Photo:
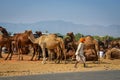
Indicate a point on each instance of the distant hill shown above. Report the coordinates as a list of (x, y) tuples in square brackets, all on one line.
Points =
[(63, 27)]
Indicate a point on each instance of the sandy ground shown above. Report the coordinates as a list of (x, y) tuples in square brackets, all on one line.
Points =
[(17, 68)]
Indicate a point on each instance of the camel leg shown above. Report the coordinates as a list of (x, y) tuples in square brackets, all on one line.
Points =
[(1, 52), (44, 56), (50, 52), (64, 51), (58, 59), (7, 56), (60, 52), (38, 55), (49, 55), (11, 56), (18, 54), (39, 52), (33, 55), (11, 52), (1, 55), (21, 54), (58, 55)]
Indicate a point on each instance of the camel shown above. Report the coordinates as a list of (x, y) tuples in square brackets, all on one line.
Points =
[(70, 45), (3, 31), (112, 53), (26, 50), (51, 42), (21, 42), (91, 48), (115, 43), (62, 47), (72, 40), (5, 41)]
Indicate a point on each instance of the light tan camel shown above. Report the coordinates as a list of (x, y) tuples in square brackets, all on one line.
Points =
[(51, 42)]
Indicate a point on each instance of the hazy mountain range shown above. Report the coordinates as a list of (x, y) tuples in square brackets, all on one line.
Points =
[(59, 26)]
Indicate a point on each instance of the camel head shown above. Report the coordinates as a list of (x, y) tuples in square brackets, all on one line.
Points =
[(4, 31), (28, 32)]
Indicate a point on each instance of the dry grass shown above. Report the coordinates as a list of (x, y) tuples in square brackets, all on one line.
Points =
[(17, 68)]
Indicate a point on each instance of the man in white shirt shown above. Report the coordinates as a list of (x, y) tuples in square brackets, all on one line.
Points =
[(80, 53)]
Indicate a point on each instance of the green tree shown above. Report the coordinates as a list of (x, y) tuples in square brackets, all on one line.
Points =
[(59, 34), (46, 31), (78, 36), (97, 37)]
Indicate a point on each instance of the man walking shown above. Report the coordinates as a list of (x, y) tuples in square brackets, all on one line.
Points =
[(80, 53)]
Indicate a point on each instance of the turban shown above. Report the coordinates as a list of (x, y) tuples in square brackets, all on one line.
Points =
[(82, 39)]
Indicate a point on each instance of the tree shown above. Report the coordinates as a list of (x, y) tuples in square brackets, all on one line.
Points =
[(46, 31), (78, 36), (60, 35)]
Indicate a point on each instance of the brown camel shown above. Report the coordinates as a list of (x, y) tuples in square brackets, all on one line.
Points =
[(5, 41), (22, 42), (70, 41), (91, 48), (112, 53), (51, 42), (25, 50), (115, 43), (70, 45), (3, 31)]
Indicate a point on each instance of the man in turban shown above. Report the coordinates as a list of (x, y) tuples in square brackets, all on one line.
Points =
[(80, 53)]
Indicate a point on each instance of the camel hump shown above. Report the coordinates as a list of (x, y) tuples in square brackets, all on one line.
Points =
[(89, 39)]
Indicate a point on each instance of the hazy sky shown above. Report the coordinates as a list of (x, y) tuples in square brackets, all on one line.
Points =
[(103, 12)]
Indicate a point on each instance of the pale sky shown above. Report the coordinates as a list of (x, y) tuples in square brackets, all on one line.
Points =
[(102, 12)]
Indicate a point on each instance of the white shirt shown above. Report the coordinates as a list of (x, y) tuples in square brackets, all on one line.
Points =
[(80, 49)]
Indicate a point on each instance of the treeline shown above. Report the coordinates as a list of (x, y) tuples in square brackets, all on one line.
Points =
[(79, 35), (101, 38)]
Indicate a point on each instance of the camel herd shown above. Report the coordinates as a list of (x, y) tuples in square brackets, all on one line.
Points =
[(53, 47)]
